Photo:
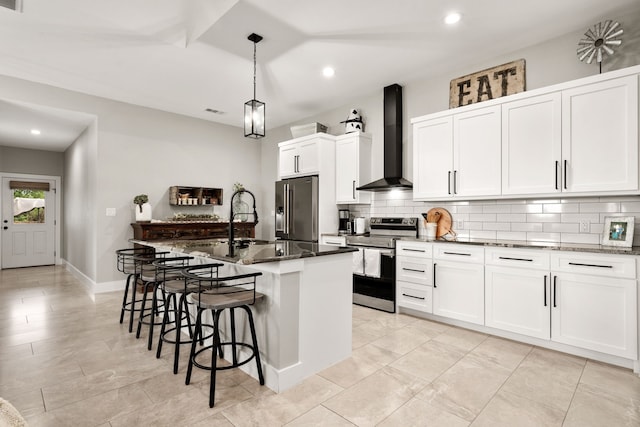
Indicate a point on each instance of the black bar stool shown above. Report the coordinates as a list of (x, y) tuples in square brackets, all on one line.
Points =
[(126, 264), (178, 307), (216, 295), (152, 275)]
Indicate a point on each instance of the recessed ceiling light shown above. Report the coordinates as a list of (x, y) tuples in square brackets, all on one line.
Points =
[(452, 18), (35, 132), (328, 72)]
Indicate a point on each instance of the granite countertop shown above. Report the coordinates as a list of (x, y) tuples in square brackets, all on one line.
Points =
[(251, 252), (573, 247)]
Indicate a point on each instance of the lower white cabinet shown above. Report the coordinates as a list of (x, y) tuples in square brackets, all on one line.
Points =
[(517, 300), (333, 240), (458, 283), (596, 313), (414, 274)]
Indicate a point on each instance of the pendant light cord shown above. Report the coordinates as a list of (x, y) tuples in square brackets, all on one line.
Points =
[(254, 70)]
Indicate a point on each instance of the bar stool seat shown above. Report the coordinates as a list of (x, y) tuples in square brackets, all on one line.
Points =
[(224, 293)]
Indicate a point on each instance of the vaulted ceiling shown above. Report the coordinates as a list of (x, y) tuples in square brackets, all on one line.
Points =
[(186, 56)]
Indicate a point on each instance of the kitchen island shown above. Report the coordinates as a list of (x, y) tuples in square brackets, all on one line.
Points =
[(304, 323)]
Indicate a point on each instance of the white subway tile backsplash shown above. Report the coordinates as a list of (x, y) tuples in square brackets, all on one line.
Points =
[(543, 217), (511, 235), (543, 237), (536, 208), (482, 234), (553, 227), (526, 226), (482, 217), (497, 226), (600, 207), (580, 238), (511, 217), (548, 220), (561, 208), (496, 209)]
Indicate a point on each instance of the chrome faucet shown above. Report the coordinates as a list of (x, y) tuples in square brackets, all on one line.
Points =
[(232, 216)]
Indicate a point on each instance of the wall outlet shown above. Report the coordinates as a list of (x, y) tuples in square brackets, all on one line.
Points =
[(111, 212), (584, 226)]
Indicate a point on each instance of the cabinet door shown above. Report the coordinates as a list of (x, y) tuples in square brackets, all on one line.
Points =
[(308, 160), (517, 300), (414, 296), (288, 160), (432, 159), (531, 145), (458, 291), (600, 136), (596, 313), (346, 170), (477, 153)]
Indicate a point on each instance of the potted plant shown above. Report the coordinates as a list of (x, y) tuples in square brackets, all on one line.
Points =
[(143, 212)]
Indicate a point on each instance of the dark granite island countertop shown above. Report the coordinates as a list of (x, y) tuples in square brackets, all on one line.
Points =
[(247, 251)]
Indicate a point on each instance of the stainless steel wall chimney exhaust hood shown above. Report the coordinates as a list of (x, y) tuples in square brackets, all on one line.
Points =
[(392, 144)]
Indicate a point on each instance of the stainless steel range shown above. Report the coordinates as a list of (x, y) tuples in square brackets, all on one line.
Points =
[(374, 266)]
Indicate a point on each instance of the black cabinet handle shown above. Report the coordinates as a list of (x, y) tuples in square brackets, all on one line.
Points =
[(456, 253), (434, 275), (413, 250), (411, 296), (545, 290), (516, 259), (449, 182), (565, 174), (590, 265), (557, 163), (455, 183), (353, 190), (554, 290), (413, 269)]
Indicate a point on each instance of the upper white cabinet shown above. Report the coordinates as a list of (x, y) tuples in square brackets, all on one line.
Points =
[(600, 136), (353, 167), (458, 155), (531, 145), (575, 138), (304, 156)]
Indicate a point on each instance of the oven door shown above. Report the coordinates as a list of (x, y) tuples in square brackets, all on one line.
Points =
[(374, 282)]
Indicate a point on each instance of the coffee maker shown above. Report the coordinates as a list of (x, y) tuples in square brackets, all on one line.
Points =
[(344, 225)]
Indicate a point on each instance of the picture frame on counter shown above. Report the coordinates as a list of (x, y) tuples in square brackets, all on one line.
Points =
[(618, 231)]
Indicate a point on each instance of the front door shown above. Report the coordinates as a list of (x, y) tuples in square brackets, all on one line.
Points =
[(28, 222)]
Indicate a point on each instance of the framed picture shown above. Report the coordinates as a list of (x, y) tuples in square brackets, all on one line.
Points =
[(618, 231)]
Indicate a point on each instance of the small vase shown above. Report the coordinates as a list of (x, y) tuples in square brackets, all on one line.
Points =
[(143, 212)]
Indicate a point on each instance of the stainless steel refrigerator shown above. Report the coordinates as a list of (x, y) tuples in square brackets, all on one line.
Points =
[(297, 209)]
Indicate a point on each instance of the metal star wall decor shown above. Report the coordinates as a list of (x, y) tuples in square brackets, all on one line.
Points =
[(599, 42)]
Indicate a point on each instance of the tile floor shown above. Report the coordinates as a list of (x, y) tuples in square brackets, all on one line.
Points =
[(66, 361)]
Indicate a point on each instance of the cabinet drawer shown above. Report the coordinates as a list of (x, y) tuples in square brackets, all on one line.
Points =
[(536, 259), (415, 296), (463, 253), (334, 240), (415, 270), (594, 265), (413, 249)]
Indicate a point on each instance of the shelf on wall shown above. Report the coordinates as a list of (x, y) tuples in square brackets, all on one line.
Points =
[(180, 195)]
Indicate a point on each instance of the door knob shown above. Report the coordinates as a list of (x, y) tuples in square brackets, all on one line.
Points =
[(6, 228), (6, 221)]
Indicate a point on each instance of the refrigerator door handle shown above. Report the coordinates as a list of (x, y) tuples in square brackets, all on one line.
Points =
[(287, 210)]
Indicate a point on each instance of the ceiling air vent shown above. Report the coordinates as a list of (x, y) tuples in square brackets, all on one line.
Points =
[(12, 4)]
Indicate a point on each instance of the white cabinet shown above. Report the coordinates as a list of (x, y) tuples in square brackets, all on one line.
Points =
[(597, 310), (353, 167), (414, 273), (600, 136), (531, 145), (306, 155), (333, 240), (517, 286), (458, 282), (458, 155)]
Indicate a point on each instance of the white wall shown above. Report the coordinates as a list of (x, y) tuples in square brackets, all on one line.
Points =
[(135, 150), (36, 162)]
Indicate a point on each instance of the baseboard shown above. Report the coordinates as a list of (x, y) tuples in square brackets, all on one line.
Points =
[(92, 286)]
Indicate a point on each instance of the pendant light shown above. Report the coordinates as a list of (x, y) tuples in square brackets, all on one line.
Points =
[(254, 109)]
